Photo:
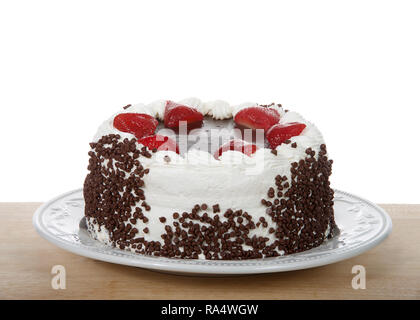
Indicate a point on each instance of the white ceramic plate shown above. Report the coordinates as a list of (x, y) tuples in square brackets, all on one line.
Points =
[(362, 224)]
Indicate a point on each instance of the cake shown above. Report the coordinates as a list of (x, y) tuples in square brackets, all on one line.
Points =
[(209, 180)]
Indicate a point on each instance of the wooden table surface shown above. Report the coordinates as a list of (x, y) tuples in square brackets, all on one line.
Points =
[(26, 260)]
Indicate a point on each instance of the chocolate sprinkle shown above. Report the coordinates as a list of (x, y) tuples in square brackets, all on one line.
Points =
[(109, 196)]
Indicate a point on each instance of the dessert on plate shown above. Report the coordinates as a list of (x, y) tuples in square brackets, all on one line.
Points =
[(209, 180)]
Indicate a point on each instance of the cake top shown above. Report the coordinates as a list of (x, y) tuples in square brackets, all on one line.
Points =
[(215, 133)]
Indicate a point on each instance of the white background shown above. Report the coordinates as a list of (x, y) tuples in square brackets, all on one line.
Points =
[(351, 67)]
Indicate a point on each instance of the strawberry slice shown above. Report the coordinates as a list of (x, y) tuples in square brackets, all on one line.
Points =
[(282, 132), (257, 117), (175, 112), (159, 142), (236, 145), (139, 124)]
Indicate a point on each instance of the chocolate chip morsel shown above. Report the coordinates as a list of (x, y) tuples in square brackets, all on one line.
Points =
[(145, 153), (127, 106), (216, 208), (267, 105)]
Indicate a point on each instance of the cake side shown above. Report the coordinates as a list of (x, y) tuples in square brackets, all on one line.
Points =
[(164, 204)]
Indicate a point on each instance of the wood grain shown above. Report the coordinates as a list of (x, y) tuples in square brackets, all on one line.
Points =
[(393, 270)]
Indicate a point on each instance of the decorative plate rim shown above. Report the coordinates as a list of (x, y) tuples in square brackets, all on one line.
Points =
[(298, 261)]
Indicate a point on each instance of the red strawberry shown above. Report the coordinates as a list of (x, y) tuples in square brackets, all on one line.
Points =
[(139, 124), (257, 117), (175, 112), (161, 143), (237, 145), (282, 132)]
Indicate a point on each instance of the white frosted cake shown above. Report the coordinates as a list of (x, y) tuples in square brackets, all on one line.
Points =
[(209, 180)]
